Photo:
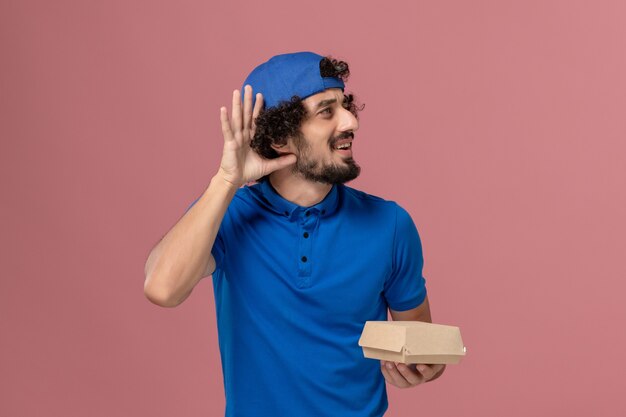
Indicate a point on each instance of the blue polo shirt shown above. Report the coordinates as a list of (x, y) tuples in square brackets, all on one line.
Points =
[(294, 287)]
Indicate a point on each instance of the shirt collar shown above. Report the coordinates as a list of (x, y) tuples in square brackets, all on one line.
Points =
[(277, 203)]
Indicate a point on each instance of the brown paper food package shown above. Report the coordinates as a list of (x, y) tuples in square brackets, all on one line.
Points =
[(412, 342)]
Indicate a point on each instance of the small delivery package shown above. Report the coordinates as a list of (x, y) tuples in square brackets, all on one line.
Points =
[(412, 342)]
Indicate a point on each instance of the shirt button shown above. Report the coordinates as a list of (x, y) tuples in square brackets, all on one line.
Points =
[(306, 235), (303, 259)]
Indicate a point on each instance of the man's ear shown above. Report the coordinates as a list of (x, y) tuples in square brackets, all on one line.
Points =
[(285, 149)]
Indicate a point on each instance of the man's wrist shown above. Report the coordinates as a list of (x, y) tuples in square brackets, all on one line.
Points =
[(221, 179)]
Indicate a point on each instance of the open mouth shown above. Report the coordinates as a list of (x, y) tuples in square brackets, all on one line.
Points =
[(343, 146)]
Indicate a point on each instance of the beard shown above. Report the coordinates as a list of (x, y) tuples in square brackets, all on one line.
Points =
[(316, 170)]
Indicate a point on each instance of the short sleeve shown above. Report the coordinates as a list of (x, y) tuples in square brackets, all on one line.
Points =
[(218, 246), (405, 288)]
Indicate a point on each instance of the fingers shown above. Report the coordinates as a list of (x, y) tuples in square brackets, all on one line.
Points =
[(242, 125), (247, 111), (426, 371), (226, 130), (391, 375), (236, 121), (411, 376), (258, 105), (400, 375), (431, 372), (280, 162)]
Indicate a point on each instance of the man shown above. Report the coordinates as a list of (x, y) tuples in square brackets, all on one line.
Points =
[(299, 260)]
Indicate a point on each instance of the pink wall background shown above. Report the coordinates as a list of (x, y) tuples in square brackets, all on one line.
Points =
[(498, 125)]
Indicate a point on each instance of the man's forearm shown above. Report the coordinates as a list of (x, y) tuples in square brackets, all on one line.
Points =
[(177, 263)]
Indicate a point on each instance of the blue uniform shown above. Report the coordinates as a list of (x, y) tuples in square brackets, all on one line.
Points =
[(294, 287)]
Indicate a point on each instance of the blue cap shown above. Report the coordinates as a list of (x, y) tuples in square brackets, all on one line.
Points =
[(287, 75)]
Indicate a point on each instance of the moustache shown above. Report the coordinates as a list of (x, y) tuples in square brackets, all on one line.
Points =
[(345, 135)]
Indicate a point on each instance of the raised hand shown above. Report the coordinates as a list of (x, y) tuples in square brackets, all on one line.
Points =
[(240, 163)]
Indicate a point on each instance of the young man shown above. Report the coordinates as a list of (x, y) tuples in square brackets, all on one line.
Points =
[(299, 260)]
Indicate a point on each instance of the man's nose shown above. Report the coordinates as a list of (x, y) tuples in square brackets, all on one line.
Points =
[(348, 121)]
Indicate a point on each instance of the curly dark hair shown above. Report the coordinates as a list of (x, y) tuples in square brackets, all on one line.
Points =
[(274, 126)]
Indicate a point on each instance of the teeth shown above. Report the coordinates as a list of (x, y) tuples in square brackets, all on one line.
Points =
[(344, 146)]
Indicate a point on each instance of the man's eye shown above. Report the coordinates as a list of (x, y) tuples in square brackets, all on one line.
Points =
[(327, 108)]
